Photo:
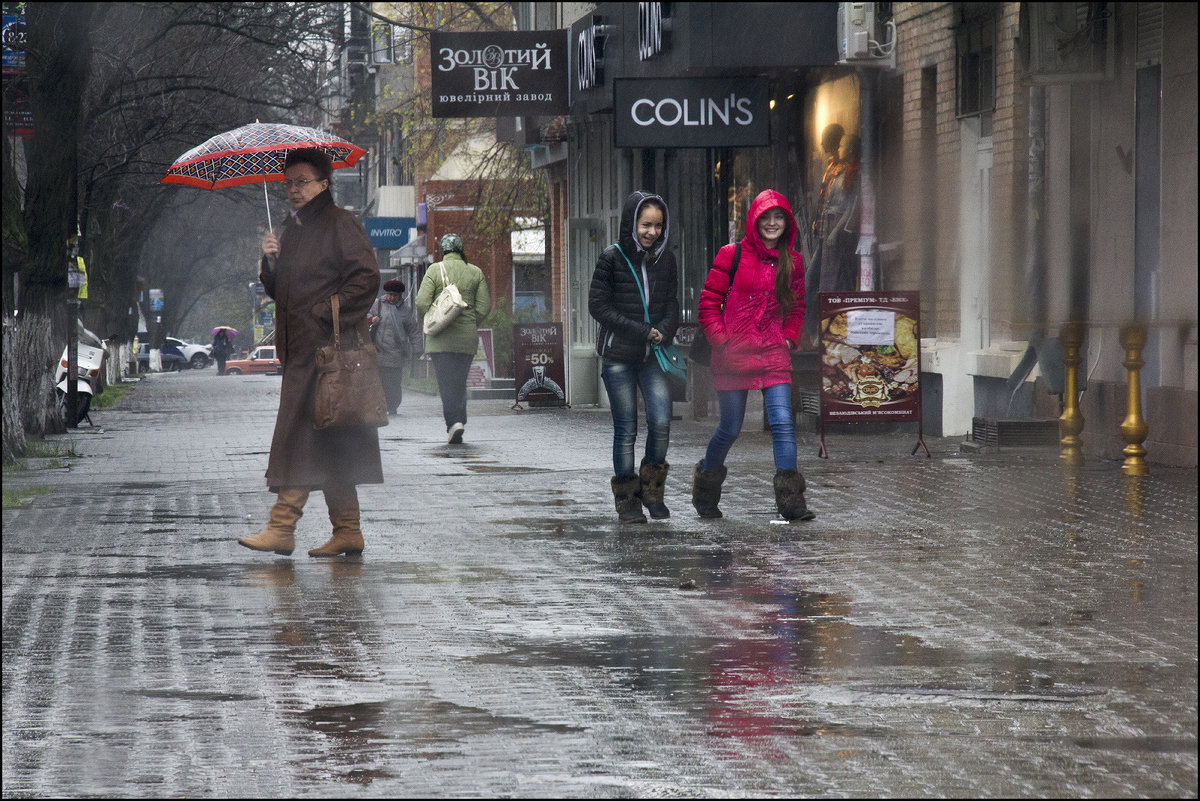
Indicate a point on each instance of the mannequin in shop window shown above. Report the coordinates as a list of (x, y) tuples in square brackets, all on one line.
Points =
[(838, 218), (831, 140)]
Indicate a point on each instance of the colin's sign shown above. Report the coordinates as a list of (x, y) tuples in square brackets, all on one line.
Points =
[(691, 112), (500, 73)]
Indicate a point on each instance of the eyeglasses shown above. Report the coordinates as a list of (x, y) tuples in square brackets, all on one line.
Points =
[(300, 183)]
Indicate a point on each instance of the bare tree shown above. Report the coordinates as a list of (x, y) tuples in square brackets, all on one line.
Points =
[(117, 91)]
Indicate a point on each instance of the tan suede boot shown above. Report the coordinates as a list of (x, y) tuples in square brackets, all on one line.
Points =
[(347, 538), (279, 535)]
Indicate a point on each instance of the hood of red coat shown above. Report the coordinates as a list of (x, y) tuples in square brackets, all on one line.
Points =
[(768, 199)]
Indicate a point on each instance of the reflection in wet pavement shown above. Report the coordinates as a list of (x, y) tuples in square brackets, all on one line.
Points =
[(946, 627)]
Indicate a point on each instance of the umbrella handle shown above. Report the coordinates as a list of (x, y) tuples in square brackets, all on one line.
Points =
[(267, 200)]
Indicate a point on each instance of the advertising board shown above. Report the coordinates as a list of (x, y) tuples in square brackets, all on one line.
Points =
[(870, 357), (538, 364)]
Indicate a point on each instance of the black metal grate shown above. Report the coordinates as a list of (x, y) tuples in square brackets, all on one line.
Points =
[(1015, 433)]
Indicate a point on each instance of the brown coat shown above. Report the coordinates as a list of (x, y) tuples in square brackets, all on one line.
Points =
[(322, 251)]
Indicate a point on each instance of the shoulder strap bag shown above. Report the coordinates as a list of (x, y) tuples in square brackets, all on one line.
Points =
[(701, 352), (446, 306), (349, 392), (669, 358)]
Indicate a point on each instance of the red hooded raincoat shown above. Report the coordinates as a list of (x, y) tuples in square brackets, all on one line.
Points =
[(748, 339)]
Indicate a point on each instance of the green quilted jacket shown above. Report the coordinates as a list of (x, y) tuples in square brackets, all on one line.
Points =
[(462, 335)]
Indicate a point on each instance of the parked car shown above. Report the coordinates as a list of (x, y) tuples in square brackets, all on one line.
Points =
[(172, 359), (261, 361), (197, 356)]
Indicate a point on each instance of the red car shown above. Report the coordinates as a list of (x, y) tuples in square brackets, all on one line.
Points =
[(262, 360)]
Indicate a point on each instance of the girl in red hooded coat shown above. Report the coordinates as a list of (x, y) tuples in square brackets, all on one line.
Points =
[(753, 326)]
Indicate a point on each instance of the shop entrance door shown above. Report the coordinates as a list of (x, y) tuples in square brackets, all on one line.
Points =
[(584, 243)]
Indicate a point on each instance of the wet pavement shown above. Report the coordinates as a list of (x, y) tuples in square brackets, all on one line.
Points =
[(983, 625)]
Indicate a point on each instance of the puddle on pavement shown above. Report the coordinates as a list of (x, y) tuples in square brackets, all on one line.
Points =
[(1152, 745), (416, 728), (797, 640), (192, 696)]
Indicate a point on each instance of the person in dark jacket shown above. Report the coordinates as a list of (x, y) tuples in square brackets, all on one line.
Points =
[(753, 326), (397, 339), (638, 262), (322, 251)]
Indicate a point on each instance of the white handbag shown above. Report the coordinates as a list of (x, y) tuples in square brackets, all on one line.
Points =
[(445, 307)]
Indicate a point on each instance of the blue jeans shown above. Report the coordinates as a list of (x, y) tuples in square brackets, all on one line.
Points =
[(622, 382), (778, 403)]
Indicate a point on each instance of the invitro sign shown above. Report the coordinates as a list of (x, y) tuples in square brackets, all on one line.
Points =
[(388, 232), (696, 112)]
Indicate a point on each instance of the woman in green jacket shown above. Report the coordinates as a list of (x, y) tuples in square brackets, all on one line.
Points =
[(453, 348)]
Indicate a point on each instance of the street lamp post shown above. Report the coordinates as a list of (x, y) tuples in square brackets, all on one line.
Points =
[(75, 279)]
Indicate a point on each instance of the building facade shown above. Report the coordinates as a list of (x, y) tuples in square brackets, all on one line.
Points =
[(1024, 166)]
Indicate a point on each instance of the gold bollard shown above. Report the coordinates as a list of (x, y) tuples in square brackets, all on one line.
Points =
[(1134, 429), (1071, 422)]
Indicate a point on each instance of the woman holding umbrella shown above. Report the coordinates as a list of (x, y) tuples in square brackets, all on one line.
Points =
[(222, 345), (323, 250)]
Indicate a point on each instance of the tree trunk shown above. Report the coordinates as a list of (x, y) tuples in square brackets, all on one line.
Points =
[(58, 52)]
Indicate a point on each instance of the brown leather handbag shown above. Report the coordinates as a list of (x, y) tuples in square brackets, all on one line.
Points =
[(349, 392)]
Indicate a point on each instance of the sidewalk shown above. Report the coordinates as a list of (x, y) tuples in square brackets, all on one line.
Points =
[(955, 626)]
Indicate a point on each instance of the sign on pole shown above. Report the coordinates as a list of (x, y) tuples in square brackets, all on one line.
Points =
[(538, 364), (870, 358)]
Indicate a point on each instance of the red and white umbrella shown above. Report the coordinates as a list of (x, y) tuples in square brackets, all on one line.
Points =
[(255, 153)]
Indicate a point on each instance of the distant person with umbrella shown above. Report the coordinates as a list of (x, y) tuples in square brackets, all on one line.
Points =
[(222, 346), (323, 250)]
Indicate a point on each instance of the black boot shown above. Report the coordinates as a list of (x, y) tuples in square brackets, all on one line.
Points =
[(625, 495), (706, 489), (654, 480), (789, 495)]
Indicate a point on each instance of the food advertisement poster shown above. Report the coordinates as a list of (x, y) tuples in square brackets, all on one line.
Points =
[(870, 356), (538, 364)]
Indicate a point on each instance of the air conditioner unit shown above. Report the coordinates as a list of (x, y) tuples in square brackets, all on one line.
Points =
[(357, 52), (856, 24), (864, 37)]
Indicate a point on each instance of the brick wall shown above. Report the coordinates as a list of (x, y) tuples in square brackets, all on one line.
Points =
[(925, 40), (454, 212)]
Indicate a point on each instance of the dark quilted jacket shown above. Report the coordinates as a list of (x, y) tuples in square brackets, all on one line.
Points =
[(614, 300)]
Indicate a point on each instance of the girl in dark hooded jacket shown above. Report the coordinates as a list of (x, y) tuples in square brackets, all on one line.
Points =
[(753, 322), (638, 262)]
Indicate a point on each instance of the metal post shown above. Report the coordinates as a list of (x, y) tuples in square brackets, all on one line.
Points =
[(866, 177), (1134, 429), (72, 357), (74, 282), (1071, 422)]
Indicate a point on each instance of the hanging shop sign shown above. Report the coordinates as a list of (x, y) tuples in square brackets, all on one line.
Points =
[(691, 112), (654, 29), (870, 357), (389, 232), (589, 36), (538, 364), (499, 73)]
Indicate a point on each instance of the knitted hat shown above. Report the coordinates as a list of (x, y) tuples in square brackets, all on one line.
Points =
[(394, 285)]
